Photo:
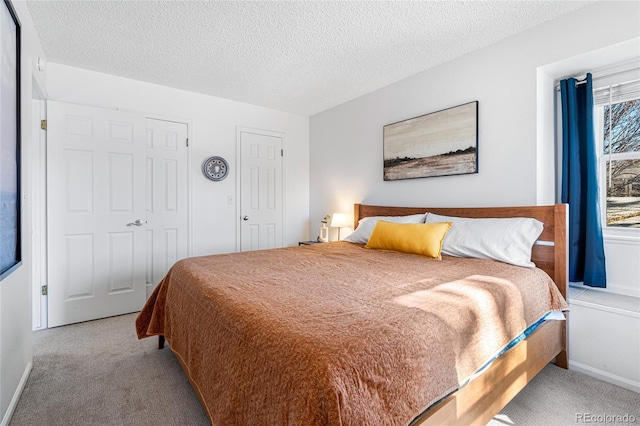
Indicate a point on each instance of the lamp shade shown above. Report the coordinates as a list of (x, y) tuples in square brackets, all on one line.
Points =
[(339, 220)]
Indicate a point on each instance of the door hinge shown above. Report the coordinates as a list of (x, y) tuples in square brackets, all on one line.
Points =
[(43, 124), (187, 142), (282, 153), (44, 290)]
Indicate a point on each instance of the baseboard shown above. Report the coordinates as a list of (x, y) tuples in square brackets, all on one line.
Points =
[(604, 376), (16, 396)]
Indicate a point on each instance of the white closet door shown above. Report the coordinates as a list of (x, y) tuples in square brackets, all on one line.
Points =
[(96, 212), (166, 198)]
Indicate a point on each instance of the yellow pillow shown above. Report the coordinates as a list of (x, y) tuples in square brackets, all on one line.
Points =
[(416, 238)]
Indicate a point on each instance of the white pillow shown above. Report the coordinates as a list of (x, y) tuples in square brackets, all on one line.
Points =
[(365, 226), (508, 240)]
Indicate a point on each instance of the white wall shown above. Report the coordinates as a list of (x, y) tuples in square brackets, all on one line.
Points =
[(604, 342), (213, 132), (15, 290), (346, 141)]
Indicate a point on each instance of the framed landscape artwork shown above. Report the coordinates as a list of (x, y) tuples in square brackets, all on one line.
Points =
[(441, 143), (10, 247)]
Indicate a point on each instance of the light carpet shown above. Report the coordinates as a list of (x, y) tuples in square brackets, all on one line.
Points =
[(99, 373)]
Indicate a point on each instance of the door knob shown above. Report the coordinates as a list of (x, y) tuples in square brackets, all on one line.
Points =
[(138, 222), (245, 218)]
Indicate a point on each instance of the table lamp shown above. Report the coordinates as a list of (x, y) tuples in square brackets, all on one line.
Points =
[(339, 220)]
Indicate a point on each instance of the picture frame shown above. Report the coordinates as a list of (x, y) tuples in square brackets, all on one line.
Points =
[(10, 209), (441, 143)]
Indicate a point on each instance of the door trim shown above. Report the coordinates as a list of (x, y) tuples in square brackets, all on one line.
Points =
[(281, 135), (38, 194)]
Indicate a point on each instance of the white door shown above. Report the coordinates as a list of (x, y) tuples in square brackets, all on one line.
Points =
[(166, 198), (117, 209), (96, 212), (261, 202)]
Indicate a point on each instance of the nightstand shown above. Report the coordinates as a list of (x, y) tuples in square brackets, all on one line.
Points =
[(308, 243)]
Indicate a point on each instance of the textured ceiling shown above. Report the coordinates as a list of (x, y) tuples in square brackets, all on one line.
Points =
[(302, 57)]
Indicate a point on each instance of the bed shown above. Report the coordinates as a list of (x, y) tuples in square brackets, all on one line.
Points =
[(337, 333)]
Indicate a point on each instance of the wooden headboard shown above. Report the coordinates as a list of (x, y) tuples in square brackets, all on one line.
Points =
[(549, 253)]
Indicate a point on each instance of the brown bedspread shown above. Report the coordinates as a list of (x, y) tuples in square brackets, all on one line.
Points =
[(336, 334)]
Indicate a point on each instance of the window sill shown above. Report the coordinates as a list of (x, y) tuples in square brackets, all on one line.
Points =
[(603, 300)]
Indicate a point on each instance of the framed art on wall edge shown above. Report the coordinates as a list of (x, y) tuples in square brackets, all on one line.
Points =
[(10, 241)]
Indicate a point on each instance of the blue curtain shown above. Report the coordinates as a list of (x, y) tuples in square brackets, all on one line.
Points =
[(580, 184)]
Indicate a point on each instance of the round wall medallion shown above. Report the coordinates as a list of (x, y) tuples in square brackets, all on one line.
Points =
[(215, 168)]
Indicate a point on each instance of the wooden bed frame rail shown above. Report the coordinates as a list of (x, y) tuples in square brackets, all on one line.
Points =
[(481, 399)]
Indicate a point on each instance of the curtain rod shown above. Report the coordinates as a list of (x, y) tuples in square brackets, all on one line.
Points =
[(583, 78)]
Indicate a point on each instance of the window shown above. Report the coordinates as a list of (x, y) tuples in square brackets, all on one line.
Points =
[(618, 134)]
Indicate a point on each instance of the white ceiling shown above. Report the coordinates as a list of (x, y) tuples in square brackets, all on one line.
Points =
[(301, 56)]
